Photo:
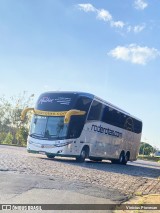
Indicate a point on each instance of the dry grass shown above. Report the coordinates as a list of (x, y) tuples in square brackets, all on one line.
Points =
[(142, 199)]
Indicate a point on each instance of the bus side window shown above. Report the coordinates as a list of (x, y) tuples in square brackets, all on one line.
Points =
[(83, 103), (77, 122), (138, 126), (113, 117), (95, 111), (105, 114), (110, 116), (76, 125)]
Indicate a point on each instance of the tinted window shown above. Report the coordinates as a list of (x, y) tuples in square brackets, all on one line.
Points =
[(83, 103), (111, 116), (77, 122), (95, 111), (76, 125), (114, 117), (138, 126), (129, 124)]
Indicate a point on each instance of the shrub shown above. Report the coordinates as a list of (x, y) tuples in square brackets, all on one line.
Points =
[(8, 139)]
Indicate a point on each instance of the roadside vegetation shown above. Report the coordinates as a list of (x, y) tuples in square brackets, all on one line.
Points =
[(147, 152), (150, 158), (146, 149), (12, 130)]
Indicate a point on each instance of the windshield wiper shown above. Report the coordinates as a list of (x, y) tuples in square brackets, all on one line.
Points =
[(36, 135)]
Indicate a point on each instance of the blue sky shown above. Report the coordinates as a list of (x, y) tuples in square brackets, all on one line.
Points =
[(108, 48)]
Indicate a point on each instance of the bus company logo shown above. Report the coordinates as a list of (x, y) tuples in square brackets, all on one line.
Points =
[(106, 131), (129, 125), (45, 100)]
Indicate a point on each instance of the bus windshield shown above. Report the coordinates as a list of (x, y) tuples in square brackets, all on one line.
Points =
[(49, 128)]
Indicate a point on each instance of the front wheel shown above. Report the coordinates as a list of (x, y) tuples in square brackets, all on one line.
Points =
[(82, 156), (50, 156)]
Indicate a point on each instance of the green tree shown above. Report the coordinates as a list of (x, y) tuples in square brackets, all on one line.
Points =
[(146, 149), (8, 139), (10, 116), (21, 136), (2, 137)]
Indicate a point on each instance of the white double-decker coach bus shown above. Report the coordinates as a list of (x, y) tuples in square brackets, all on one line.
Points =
[(81, 125)]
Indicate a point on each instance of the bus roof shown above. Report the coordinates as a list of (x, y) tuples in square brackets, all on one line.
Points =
[(89, 95), (72, 92)]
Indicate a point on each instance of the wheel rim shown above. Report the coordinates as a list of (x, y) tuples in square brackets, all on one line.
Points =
[(121, 159), (126, 158), (83, 154)]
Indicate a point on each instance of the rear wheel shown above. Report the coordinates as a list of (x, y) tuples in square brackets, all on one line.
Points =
[(51, 156), (126, 159), (123, 159)]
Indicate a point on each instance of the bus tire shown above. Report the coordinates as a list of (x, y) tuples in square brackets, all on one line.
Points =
[(82, 156), (127, 156), (123, 159), (50, 156)]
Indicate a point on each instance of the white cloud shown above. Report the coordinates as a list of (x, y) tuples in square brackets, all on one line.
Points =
[(119, 24), (136, 29), (101, 14), (134, 53), (87, 7), (129, 29), (140, 4), (104, 15)]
